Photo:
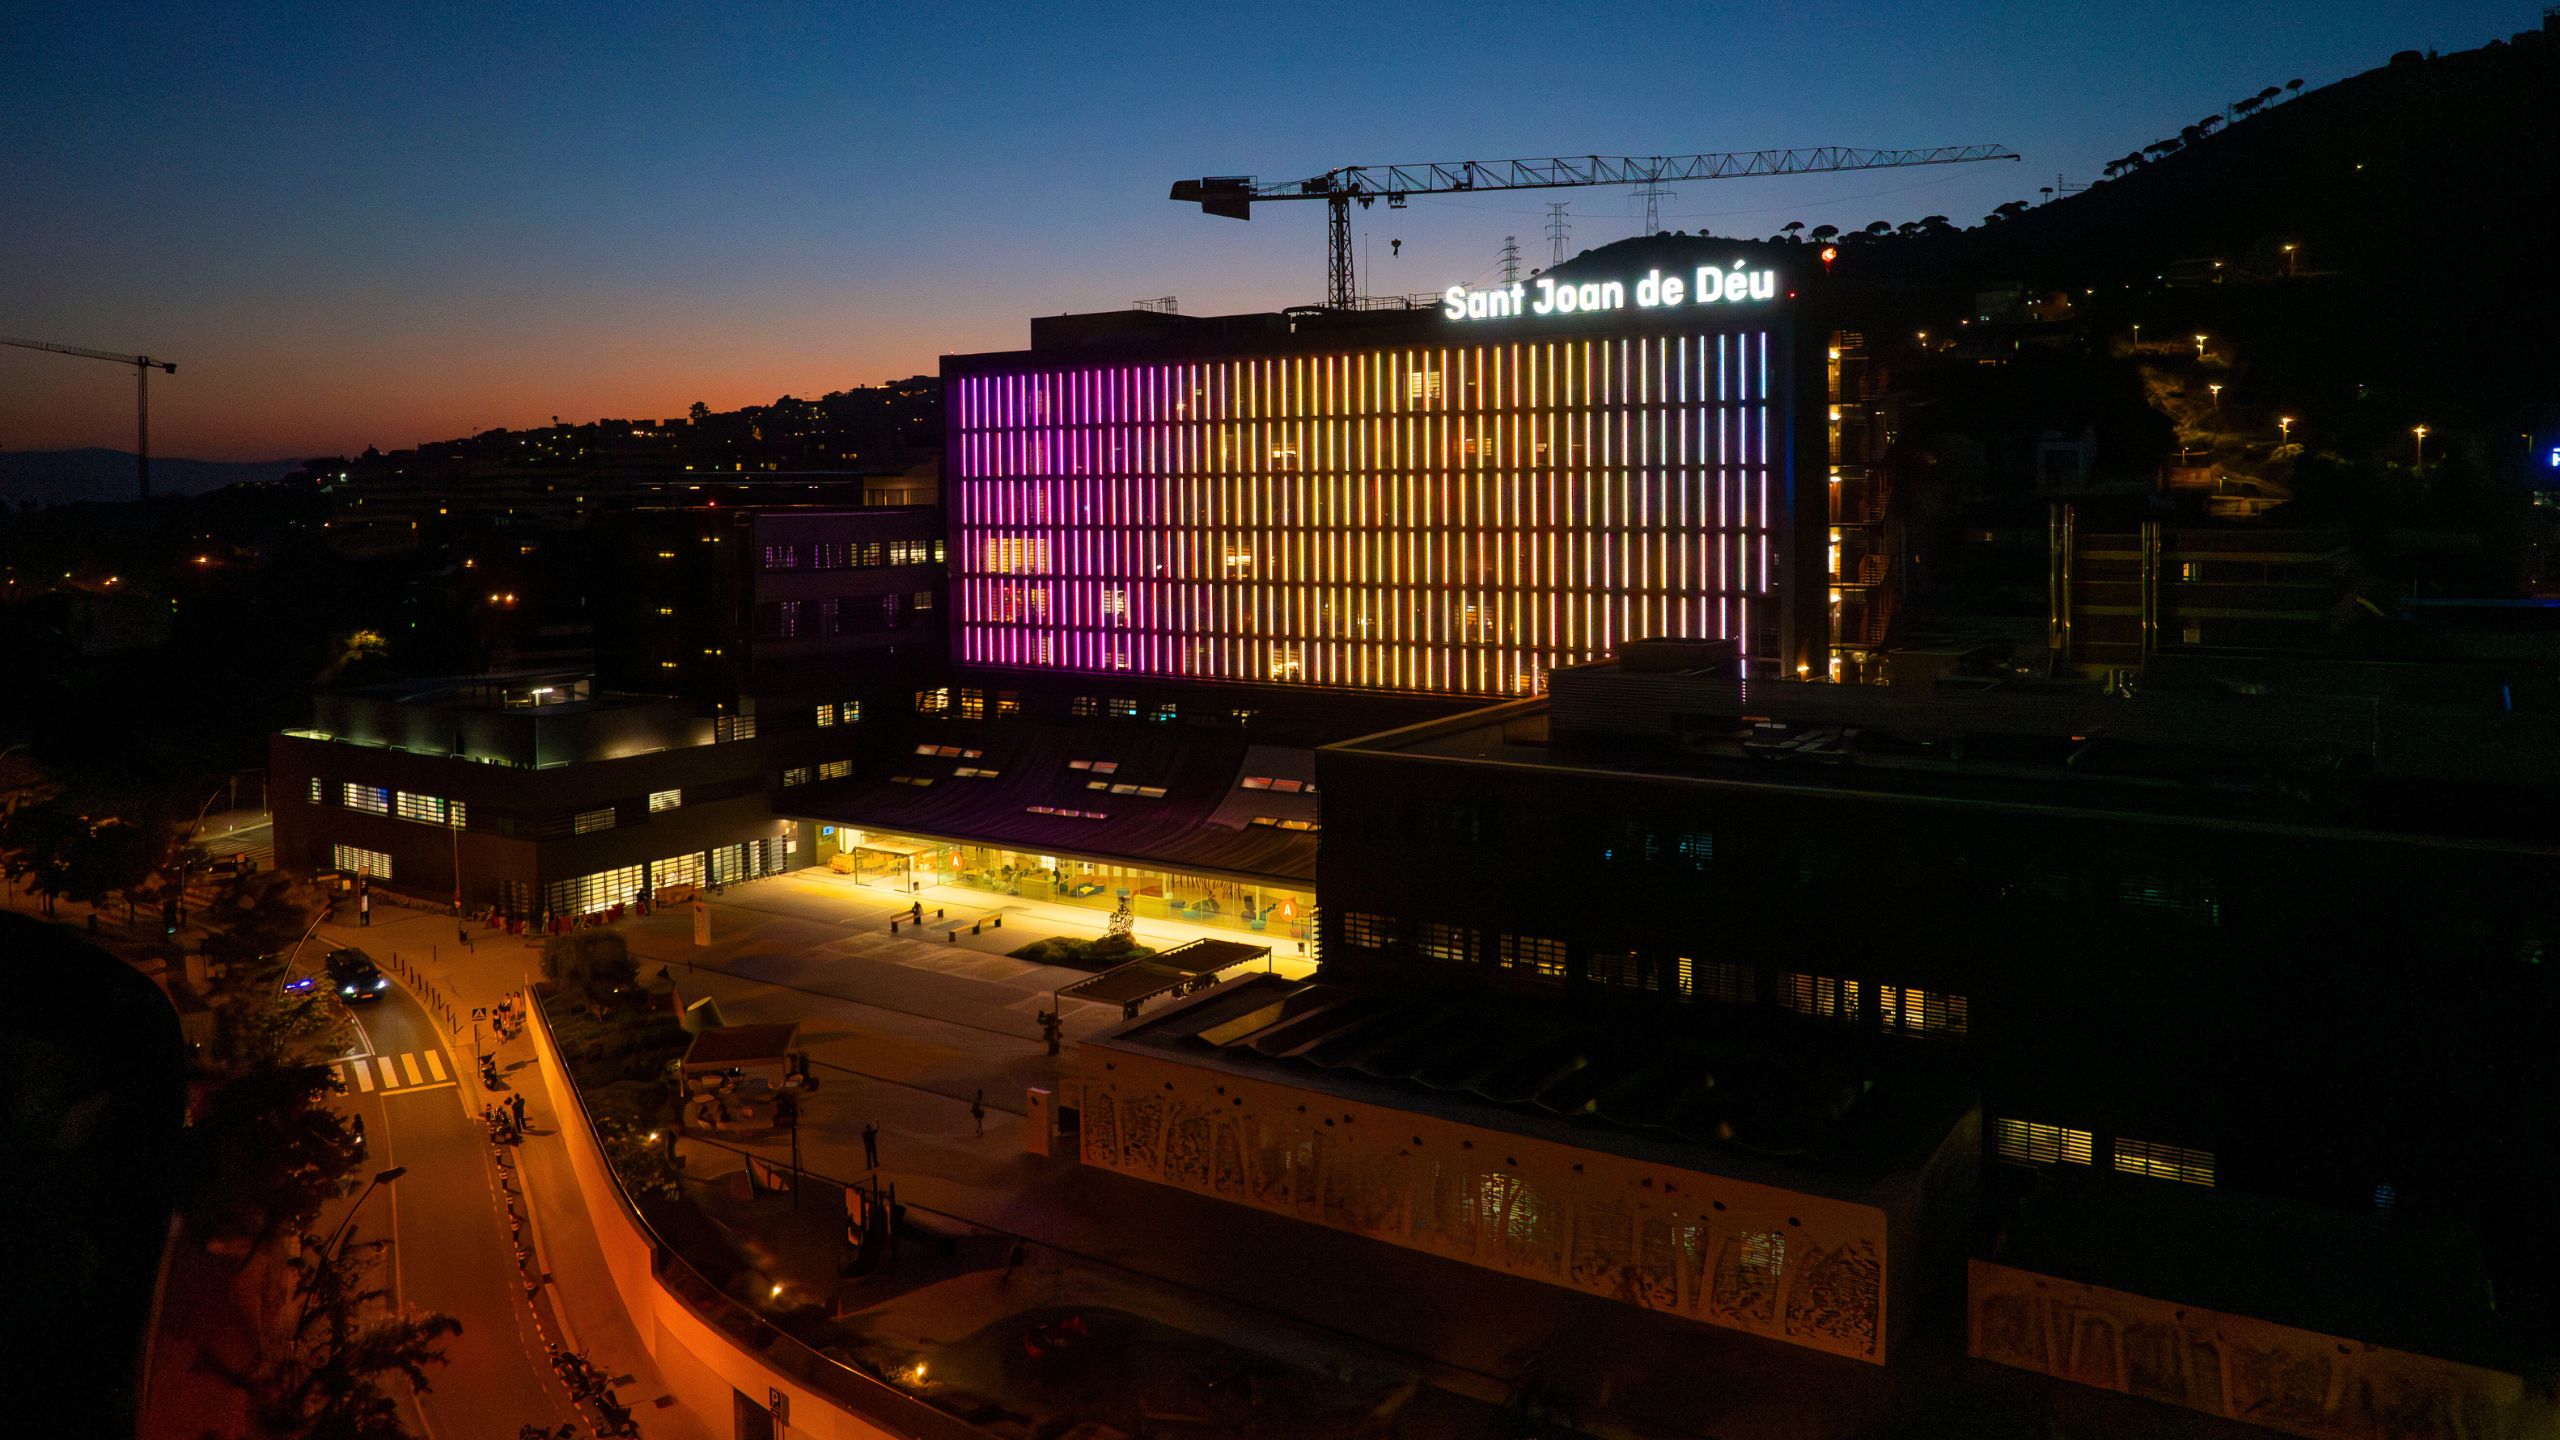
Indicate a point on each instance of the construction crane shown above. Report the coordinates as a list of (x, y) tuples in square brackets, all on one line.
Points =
[(142, 365), (1233, 196)]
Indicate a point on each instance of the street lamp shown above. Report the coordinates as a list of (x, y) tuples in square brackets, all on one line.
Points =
[(2217, 395), (2420, 461), (2284, 429), (2199, 347), (329, 1247)]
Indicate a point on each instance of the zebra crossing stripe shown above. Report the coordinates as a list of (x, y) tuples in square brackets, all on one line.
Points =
[(390, 1074), (410, 1064), (364, 1077), (435, 1064)]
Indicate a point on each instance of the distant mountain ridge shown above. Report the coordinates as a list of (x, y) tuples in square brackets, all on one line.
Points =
[(70, 477)]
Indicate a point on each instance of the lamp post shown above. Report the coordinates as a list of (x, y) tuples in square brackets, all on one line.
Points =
[(2217, 395), (2420, 461), (329, 1247), (2200, 347), (2288, 260), (2284, 430)]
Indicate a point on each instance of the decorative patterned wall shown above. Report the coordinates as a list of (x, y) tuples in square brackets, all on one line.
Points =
[(2238, 1367), (1801, 1268)]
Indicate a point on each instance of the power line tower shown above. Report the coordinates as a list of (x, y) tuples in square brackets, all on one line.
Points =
[(1653, 196), (1557, 229), (1510, 259)]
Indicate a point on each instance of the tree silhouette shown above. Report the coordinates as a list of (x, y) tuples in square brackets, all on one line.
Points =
[(1825, 232), (2292, 88), (1791, 227), (2208, 124), (1878, 227), (699, 412), (2245, 107), (346, 1340), (2271, 92)]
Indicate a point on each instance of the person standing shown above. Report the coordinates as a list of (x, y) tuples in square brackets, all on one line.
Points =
[(978, 1112), (516, 1103), (871, 1145)]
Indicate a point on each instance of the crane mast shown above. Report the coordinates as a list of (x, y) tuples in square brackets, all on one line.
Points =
[(142, 365), (1233, 196)]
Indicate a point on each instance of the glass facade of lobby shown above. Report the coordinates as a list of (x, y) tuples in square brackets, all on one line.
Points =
[(897, 863)]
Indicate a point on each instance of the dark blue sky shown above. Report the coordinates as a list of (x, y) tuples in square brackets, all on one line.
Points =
[(353, 227)]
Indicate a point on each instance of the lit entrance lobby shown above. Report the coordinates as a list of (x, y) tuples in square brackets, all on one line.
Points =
[(1280, 913)]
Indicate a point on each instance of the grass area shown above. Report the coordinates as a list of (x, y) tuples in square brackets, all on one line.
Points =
[(1080, 954)]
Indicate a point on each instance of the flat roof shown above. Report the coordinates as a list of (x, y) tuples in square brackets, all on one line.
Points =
[(725, 1045), (2189, 756), (1627, 1087)]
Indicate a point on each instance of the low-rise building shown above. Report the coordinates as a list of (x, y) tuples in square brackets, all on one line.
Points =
[(533, 793)]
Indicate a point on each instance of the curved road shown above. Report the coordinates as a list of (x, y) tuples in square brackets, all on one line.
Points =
[(450, 1249)]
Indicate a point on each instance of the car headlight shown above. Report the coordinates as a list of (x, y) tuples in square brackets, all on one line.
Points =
[(381, 982), (346, 989)]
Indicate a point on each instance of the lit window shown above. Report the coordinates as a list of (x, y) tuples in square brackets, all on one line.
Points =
[(1718, 980), (1279, 822), (796, 775), (358, 861), (1369, 932), (1122, 709), (1071, 814), (315, 789), (1284, 786), (665, 800), (1619, 969), (1534, 955), (428, 810), (826, 716), (973, 704), (1454, 944), (936, 701), (1922, 1012), (588, 822), (918, 781), (2164, 1162), (1823, 996), (2023, 1142), (850, 711), (1098, 767), (834, 769), (371, 799), (972, 772)]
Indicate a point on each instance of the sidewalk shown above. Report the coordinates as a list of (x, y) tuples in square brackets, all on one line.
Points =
[(577, 1297)]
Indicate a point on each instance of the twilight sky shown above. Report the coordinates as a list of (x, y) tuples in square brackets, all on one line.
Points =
[(352, 225)]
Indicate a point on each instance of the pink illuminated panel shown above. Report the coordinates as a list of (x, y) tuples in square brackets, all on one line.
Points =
[(1449, 519)]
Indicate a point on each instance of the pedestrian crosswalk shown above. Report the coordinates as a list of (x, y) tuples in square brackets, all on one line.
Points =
[(412, 1070)]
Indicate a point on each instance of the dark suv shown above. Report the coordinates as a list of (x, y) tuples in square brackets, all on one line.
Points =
[(353, 976)]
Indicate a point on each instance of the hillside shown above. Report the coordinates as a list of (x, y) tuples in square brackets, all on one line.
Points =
[(66, 477)]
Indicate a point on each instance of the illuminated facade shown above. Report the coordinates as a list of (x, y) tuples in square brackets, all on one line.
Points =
[(1418, 516)]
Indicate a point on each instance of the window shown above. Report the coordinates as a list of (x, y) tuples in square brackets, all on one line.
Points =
[(973, 704), (1283, 822), (918, 781), (936, 701), (1534, 955), (826, 716), (588, 822), (921, 600), (1822, 996), (665, 800), (796, 775), (371, 799), (1098, 767), (1123, 709), (849, 711), (1764, 1254), (1284, 786), (1151, 792), (1369, 932), (780, 557), (1083, 707), (1008, 702), (1455, 944), (1718, 980), (678, 870), (2023, 1142), (1422, 385), (1921, 1012), (430, 810), (2164, 1162), (589, 894), (315, 789), (1068, 813), (1620, 969), (359, 861), (950, 752), (973, 772), (834, 769)]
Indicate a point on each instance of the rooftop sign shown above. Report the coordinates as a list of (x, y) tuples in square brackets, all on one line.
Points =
[(1543, 296)]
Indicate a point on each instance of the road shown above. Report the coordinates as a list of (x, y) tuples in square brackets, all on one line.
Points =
[(450, 1250)]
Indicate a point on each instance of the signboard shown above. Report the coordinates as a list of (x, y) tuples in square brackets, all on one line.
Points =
[(1707, 285), (701, 921)]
